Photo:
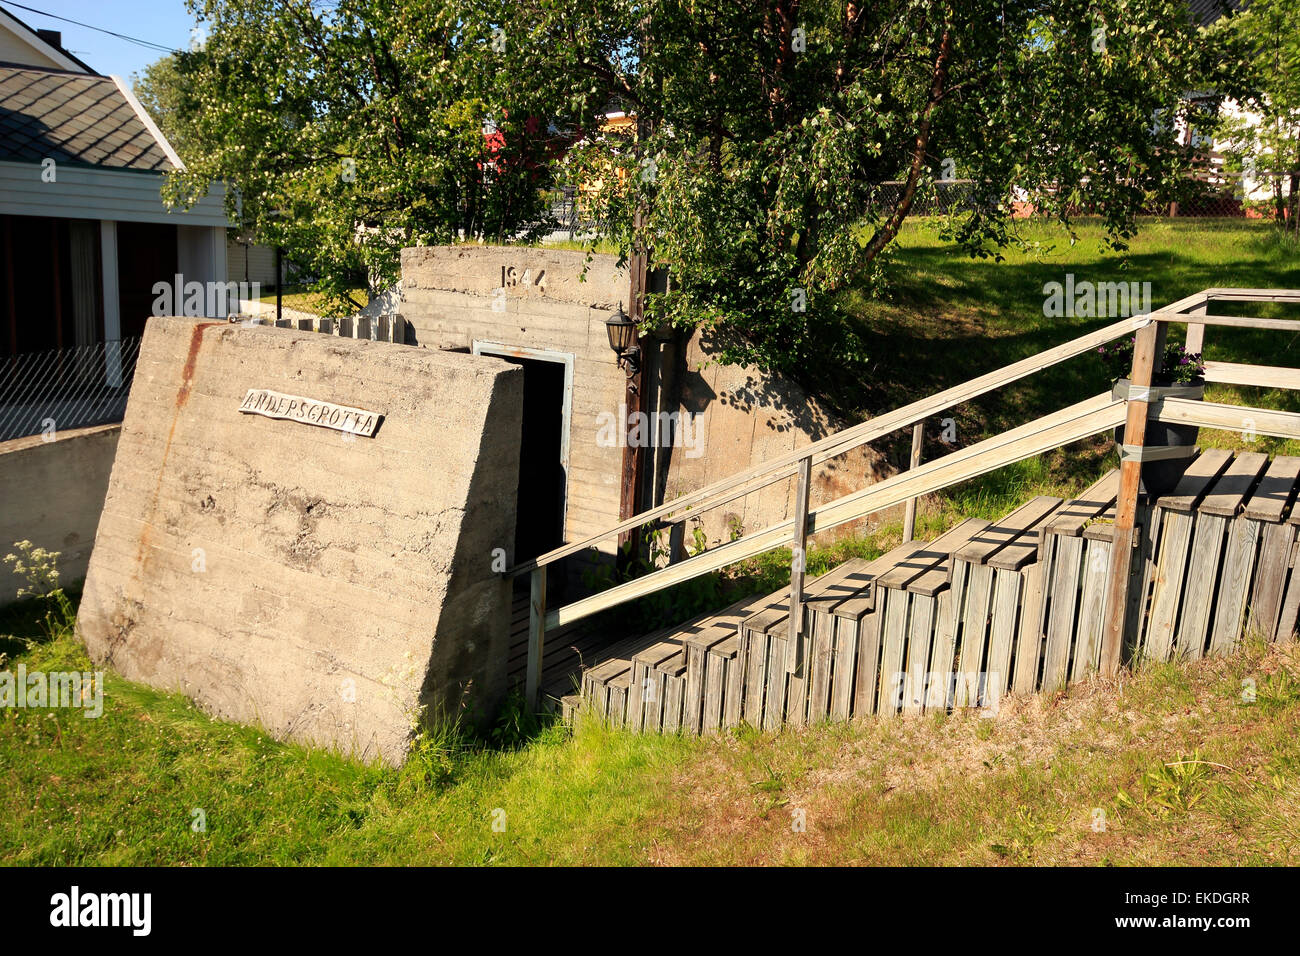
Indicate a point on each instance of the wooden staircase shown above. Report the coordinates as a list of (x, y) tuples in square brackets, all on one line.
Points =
[(988, 608)]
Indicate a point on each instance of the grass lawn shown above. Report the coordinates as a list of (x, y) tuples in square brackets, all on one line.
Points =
[(1173, 766), (303, 299)]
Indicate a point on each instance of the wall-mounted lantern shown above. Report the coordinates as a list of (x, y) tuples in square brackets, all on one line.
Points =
[(623, 340)]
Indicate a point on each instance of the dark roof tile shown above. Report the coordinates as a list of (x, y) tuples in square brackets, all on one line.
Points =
[(73, 118)]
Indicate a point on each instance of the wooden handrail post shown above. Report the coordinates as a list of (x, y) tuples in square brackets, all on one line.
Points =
[(909, 510), (798, 548), (536, 635), (1195, 340), (1130, 474)]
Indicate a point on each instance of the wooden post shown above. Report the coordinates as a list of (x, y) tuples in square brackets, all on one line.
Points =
[(1195, 341), (634, 395), (798, 547), (536, 635), (279, 283), (909, 510), (1130, 474)]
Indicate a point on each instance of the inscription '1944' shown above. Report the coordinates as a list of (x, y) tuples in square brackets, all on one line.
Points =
[(342, 418)]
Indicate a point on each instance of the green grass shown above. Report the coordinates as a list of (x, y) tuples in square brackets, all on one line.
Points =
[(945, 318), (303, 299), (1183, 770)]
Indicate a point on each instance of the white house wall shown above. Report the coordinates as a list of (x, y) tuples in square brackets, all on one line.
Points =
[(81, 193)]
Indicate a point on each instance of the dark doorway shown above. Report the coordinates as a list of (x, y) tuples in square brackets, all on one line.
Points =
[(539, 514), (146, 254)]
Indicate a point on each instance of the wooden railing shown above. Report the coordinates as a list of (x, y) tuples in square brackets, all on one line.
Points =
[(1090, 417)]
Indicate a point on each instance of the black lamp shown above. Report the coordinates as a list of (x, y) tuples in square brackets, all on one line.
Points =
[(622, 339)]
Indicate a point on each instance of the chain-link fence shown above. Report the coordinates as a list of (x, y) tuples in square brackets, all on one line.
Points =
[(48, 392), (292, 296)]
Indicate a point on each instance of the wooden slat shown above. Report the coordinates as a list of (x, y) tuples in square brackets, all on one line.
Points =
[(1233, 418), (1228, 495), (734, 701), (618, 689), (1063, 586), (846, 652), (1074, 514), (796, 682), (755, 676), (819, 679), (1029, 636), (1270, 577), (1234, 586), (714, 689), (1002, 630), (1171, 565), (1202, 572), (918, 653), (1260, 376), (936, 579), (1286, 625), (1197, 480), (774, 699), (943, 651), (974, 631), (1092, 598), (1273, 493), (891, 661), (865, 683)]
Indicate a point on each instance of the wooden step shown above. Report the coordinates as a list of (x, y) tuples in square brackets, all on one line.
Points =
[(1227, 497), (936, 577), (1011, 542), (1196, 481), (1274, 491), (1073, 516)]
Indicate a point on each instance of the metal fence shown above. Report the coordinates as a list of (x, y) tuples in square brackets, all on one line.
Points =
[(48, 392)]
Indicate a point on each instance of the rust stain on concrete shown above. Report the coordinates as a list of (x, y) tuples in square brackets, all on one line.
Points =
[(182, 398)]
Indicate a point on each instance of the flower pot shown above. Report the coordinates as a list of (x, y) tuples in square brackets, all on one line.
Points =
[(1161, 475)]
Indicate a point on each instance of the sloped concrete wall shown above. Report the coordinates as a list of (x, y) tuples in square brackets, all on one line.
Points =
[(51, 494), (324, 586)]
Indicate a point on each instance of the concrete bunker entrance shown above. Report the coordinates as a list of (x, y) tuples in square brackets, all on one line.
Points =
[(542, 497)]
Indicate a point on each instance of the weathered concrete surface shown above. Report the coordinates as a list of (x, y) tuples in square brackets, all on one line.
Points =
[(745, 417), (324, 586), (454, 296), (51, 494)]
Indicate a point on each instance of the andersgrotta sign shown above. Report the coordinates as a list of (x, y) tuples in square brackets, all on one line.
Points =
[(343, 418)]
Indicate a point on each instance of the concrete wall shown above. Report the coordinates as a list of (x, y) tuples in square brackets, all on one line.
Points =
[(51, 494), (454, 296), (745, 417), (321, 585)]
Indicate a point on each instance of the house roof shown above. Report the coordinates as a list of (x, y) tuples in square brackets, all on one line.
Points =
[(46, 43), (1206, 12), (75, 118)]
